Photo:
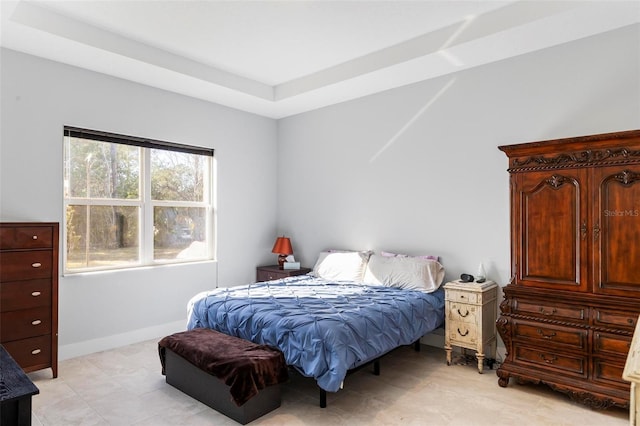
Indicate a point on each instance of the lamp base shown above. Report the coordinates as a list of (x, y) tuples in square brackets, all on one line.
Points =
[(281, 259)]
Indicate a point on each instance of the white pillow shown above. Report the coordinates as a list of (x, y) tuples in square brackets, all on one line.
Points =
[(341, 266), (412, 273)]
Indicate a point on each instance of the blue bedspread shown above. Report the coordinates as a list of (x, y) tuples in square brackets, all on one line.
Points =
[(323, 328)]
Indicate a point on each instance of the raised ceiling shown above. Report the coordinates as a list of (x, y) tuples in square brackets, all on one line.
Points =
[(279, 58)]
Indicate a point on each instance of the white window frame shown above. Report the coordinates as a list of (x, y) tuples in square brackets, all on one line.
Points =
[(145, 203)]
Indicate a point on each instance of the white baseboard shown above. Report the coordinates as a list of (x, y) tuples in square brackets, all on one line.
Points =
[(118, 340)]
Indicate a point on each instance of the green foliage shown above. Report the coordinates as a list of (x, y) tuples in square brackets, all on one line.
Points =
[(176, 176), (96, 170), (102, 170)]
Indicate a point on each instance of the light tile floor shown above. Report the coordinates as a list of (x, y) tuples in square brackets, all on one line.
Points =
[(124, 386)]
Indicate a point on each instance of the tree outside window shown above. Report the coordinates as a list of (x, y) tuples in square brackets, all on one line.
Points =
[(132, 202)]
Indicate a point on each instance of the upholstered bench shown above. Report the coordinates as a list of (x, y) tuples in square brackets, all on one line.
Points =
[(238, 378)]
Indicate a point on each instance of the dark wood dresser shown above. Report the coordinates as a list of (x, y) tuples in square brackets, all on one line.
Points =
[(573, 301), (29, 294)]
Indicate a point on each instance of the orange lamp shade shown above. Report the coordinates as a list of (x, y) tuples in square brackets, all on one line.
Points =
[(283, 248)]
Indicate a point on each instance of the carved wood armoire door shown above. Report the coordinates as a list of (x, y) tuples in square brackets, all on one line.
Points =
[(552, 228), (616, 230)]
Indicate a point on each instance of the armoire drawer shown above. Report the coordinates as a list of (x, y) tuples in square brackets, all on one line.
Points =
[(30, 352), (606, 371), (16, 295), (26, 237), (568, 364), (608, 318), (25, 265), (614, 344), (15, 325), (546, 334), (551, 310)]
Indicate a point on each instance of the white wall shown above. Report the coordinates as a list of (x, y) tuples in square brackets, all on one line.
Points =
[(104, 310), (417, 169)]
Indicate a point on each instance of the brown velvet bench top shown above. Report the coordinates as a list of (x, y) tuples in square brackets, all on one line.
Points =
[(244, 366)]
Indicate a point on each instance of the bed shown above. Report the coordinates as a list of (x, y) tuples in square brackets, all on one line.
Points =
[(335, 319)]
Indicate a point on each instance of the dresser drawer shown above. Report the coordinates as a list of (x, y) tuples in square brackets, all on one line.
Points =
[(25, 323), (545, 334), (608, 318), (570, 364), (463, 312), (613, 344), (16, 295), (26, 237), (18, 265), (30, 352), (551, 310)]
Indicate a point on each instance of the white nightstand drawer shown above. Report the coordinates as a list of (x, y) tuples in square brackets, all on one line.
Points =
[(464, 333), (462, 296), (463, 312)]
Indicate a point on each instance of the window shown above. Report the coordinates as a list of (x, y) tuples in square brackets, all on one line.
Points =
[(134, 202)]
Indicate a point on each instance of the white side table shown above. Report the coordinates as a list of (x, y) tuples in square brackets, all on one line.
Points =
[(470, 317), (631, 374)]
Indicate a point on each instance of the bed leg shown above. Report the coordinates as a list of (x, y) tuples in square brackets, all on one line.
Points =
[(376, 367), (416, 345), (323, 398)]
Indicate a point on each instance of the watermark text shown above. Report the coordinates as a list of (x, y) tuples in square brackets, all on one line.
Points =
[(622, 213)]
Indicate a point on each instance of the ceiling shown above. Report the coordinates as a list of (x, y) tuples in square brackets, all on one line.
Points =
[(279, 58)]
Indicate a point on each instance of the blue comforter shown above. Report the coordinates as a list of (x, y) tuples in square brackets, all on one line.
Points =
[(323, 328)]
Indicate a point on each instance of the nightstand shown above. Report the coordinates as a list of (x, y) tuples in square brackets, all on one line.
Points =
[(470, 317), (631, 374), (273, 272)]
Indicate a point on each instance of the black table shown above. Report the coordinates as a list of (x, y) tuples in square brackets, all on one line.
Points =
[(16, 390)]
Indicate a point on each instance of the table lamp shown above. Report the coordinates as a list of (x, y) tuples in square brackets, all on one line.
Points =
[(282, 248)]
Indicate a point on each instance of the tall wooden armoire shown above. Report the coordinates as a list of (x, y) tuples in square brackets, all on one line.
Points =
[(570, 309)]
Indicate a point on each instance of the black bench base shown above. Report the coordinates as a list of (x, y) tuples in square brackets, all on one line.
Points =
[(211, 391)]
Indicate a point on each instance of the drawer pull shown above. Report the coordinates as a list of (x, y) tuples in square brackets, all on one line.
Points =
[(546, 336), (35, 293), (36, 265), (630, 320), (36, 322), (463, 315), (543, 312), (36, 351), (463, 334), (550, 360), (35, 237)]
